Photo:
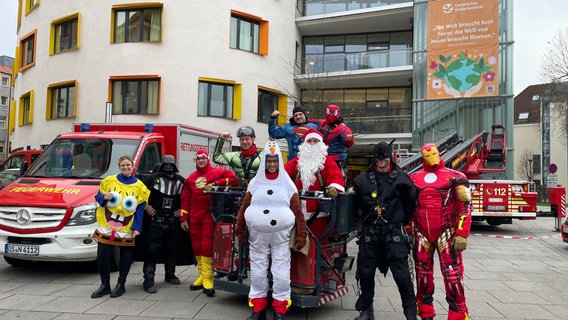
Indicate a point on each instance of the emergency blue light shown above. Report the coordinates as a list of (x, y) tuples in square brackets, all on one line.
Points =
[(148, 127), (85, 127)]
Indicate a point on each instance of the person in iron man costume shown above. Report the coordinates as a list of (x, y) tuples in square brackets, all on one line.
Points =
[(441, 222)]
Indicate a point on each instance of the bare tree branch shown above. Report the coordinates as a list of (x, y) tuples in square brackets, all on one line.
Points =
[(525, 165), (555, 71)]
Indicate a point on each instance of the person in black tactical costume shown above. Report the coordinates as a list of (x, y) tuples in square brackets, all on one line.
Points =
[(163, 211), (386, 199)]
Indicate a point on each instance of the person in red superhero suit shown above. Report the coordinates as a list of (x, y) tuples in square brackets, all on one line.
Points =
[(441, 222), (196, 216), (336, 134)]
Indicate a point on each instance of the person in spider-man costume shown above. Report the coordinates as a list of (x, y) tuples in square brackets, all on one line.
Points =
[(441, 222)]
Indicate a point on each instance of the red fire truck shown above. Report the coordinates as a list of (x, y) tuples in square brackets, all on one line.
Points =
[(495, 201), (49, 213)]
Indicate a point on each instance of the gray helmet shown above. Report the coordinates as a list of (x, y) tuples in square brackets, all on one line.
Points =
[(245, 131)]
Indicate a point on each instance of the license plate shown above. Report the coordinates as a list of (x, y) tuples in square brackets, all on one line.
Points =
[(495, 208), (23, 250)]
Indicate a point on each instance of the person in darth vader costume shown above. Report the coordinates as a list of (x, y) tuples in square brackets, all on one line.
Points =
[(164, 239)]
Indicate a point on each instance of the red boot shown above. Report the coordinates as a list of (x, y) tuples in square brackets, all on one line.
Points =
[(280, 308), (258, 306)]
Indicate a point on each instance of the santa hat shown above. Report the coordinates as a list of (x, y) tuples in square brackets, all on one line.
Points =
[(312, 133), (201, 154)]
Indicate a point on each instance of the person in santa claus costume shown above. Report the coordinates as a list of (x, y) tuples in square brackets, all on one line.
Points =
[(441, 222), (314, 170), (270, 208), (196, 216)]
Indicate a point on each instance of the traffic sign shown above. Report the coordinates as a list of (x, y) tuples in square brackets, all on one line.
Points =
[(552, 181), (552, 168)]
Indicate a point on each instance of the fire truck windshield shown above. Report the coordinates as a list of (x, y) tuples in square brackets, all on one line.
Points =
[(82, 157)]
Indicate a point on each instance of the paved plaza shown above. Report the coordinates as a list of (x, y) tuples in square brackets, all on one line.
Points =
[(517, 271)]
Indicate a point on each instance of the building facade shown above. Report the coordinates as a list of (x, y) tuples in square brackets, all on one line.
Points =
[(223, 65), (6, 95), (541, 145)]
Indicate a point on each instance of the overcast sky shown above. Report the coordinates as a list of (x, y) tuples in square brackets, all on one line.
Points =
[(535, 24)]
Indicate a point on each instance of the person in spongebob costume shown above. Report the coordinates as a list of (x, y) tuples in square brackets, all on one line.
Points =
[(270, 209), (122, 199), (441, 222), (196, 216)]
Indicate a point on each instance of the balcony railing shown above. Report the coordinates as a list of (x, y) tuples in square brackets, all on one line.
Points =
[(314, 7), (380, 124), (338, 62)]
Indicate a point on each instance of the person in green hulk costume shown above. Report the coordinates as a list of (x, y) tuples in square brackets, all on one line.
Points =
[(244, 163)]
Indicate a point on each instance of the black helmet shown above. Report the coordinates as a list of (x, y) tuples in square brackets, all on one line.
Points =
[(245, 131), (382, 151), (168, 165)]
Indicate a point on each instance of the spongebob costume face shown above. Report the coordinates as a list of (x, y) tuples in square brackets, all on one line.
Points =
[(116, 217)]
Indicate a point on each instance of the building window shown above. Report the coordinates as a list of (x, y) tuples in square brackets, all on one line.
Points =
[(62, 100), (524, 116), (65, 34), (5, 81), (26, 108), (4, 101), (135, 95), (30, 5), (2, 124), (27, 47), (356, 51), (368, 111), (535, 97), (216, 99), (249, 33), (137, 24), (267, 102)]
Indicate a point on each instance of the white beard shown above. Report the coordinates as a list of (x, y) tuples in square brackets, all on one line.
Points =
[(311, 158)]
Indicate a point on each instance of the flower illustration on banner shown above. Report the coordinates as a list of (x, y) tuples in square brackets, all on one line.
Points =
[(463, 75)]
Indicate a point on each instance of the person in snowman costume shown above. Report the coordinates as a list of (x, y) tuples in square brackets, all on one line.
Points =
[(271, 208)]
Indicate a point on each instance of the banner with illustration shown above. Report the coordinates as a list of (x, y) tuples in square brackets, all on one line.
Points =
[(463, 48)]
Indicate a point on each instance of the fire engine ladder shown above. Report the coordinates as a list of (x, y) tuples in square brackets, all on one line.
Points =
[(414, 163), (456, 158)]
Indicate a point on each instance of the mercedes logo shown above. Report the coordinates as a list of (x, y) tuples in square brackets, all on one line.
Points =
[(23, 216)]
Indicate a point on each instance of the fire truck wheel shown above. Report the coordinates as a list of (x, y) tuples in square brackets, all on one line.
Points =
[(17, 262), (494, 221)]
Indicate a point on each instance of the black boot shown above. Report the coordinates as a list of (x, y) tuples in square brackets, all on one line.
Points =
[(118, 290), (149, 270), (170, 267), (410, 313), (278, 316), (103, 290), (194, 287), (366, 314), (261, 315), (209, 292)]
